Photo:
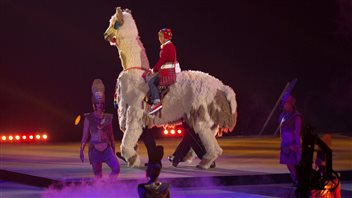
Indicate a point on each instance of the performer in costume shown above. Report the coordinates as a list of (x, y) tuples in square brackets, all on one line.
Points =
[(290, 130), (98, 125), (154, 188), (167, 60), (183, 150)]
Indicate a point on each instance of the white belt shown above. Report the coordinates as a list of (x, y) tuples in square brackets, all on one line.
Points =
[(172, 65)]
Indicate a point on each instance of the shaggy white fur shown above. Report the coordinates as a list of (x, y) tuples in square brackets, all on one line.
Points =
[(189, 99)]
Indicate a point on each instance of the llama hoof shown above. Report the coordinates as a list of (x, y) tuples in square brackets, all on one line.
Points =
[(118, 154), (213, 165), (205, 163), (133, 161)]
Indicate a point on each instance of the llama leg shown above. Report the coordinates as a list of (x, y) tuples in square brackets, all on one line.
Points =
[(209, 142), (129, 141), (217, 146)]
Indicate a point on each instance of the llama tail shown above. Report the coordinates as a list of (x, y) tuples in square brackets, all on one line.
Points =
[(223, 110)]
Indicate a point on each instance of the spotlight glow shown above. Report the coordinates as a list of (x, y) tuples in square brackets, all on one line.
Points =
[(166, 132), (179, 131), (77, 120), (172, 131), (24, 137)]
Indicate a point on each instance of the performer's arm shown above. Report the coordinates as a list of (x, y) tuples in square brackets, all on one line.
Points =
[(298, 125), (85, 133), (84, 139), (111, 137), (163, 57)]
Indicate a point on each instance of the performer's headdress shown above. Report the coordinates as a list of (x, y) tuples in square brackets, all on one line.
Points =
[(98, 91), (289, 99), (167, 33), (287, 96)]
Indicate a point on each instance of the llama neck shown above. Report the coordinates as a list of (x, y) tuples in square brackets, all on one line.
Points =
[(132, 53)]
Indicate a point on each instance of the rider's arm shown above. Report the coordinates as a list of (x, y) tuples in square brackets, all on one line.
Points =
[(164, 56)]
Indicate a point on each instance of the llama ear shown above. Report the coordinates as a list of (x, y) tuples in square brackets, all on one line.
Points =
[(119, 15)]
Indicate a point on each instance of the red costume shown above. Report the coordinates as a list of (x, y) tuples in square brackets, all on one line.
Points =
[(165, 68), (167, 55)]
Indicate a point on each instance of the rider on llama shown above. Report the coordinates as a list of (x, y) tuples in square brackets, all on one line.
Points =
[(164, 70)]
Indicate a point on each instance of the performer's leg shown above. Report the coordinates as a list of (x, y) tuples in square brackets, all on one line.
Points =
[(114, 165), (149, 142), (195, 142), (97, 169), (291, 168), (154, 92), (181, 150)]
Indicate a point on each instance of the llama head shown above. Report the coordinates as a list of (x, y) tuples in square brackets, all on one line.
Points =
[(121, 26)]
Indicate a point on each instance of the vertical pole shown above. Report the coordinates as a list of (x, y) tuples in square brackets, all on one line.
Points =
[(288, 88), (274, 108)]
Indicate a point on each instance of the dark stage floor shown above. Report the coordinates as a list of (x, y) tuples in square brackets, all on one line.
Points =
[(249, 167)]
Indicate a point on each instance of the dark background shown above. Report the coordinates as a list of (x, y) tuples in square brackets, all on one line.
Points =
[(51, 51)]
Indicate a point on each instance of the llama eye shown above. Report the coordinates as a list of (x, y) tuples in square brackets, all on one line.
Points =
[(116, 25)]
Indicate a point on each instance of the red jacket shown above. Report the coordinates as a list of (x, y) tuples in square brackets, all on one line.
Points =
[(167, 55)]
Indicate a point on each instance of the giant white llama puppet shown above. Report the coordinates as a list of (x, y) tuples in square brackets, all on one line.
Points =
[(203, 102)]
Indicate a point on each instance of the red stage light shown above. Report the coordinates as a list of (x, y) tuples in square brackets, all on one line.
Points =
[(179, 131), (166, 132), (24, 137), (172, 131)]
